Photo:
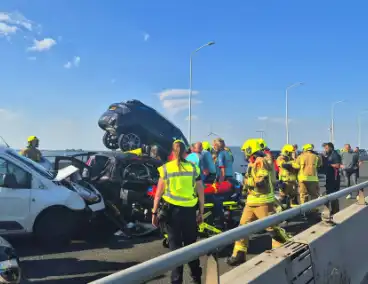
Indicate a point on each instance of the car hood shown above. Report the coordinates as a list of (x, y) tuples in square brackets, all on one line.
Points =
[(65, 172)]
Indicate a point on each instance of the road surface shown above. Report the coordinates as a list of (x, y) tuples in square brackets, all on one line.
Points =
[(81, 262)]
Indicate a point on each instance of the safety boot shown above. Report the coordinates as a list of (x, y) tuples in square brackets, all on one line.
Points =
[(236, 260)]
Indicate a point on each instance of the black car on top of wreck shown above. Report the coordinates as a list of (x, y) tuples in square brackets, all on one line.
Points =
[(129, 125)]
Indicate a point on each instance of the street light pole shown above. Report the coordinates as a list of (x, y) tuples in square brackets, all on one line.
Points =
[(190, 88), (262, 132), (287, 109), (332, 128)]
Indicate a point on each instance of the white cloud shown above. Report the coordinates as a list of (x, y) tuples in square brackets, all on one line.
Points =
[(175, 93), (42, 45), (176, 105), (74, 63), (6, 30), (16, 19), (278, 120), (175, 100), (68, 65), (32, 58), (194, 117), (146, 36)]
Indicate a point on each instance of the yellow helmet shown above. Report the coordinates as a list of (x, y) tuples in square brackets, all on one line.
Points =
[(308, 147), (32, 138), (206, 146), (287, 149), (262, 143), (251, 146)]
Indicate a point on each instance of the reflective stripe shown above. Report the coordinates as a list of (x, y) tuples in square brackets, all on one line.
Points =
[(167, 177), (180, 174)]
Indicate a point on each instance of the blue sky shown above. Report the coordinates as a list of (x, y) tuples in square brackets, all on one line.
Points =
[(63, 62)]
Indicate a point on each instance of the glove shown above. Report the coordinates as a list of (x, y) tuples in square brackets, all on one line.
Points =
[(287, 166)]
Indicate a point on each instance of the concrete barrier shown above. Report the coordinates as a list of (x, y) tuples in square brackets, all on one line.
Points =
[(326, 253)]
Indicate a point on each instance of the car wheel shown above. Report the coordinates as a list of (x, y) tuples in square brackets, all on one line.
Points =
[(129, 141), (110, 141), (55, 227)]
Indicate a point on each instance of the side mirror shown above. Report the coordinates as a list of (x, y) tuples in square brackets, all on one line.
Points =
[(10, 181)]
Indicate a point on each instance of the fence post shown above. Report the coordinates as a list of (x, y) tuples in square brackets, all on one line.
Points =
[(212, 270)]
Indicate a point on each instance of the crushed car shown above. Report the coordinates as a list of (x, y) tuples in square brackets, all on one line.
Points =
[(124, 180), (50, 205), (129, 125)]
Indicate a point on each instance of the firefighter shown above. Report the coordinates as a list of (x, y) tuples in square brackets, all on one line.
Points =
[(260, 200), (308, 163), (288, 176), (32, 151)]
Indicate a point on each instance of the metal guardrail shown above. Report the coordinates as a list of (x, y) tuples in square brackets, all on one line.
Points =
[(159, 265)]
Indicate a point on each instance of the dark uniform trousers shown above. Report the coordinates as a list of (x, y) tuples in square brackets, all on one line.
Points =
[(333, 185), (182, 231)]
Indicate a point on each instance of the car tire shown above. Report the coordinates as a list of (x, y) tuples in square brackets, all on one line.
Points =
[(55, 226), (130, 141), (110, 141)]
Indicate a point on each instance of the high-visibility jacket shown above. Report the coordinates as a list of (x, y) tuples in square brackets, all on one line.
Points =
[(259, 183), (180, 183), (285, 174), (308, 164), (32, 153)]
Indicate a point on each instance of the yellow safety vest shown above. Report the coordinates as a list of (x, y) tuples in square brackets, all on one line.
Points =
[(180, 183), (284, 174), (260, 171), (307, 163)]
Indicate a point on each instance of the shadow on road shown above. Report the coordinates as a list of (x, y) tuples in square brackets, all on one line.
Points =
[(71, 270), (27, 246)]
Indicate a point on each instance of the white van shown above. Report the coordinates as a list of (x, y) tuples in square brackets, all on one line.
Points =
[(35, 200)]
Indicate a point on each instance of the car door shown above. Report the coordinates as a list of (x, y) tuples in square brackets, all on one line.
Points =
[(14, 202), (64, 161)]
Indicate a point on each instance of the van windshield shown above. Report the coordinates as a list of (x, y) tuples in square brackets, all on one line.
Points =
[(31, 164)]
